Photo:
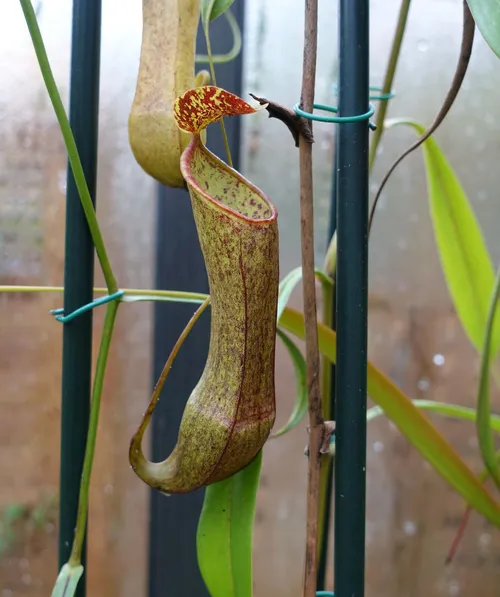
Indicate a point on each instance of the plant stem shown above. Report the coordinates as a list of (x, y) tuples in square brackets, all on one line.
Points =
[(389, 78), (83, 500), (484, 476), (214, 81), (483, 421), (172, 295), (233, 52), (326, 471), (331, 259), (69, 141), (309, 292)]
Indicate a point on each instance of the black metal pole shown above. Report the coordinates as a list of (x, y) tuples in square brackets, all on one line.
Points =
[(352, 303), (173, 567), (78, 270)]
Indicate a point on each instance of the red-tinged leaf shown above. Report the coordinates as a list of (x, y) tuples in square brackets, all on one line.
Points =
[(199, 107)]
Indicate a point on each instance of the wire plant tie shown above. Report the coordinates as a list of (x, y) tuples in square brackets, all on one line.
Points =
[(378, 96), (336, 119), (59, 313)]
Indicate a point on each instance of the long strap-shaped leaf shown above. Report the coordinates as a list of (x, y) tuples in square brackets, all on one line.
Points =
[(416, 427), (454, 411), (465, 260), (469, 274), (224, 539)]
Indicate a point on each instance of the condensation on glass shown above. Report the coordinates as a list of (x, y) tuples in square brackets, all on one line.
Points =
[(414, 335)]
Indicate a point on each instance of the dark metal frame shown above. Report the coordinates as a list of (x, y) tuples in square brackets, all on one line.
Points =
[(78, 271), (172, 562), (352, 300)]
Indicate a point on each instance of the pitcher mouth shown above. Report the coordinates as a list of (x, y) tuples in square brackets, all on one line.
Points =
[(196, 144)]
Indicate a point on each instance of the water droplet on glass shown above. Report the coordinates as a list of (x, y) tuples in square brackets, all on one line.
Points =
[(482, 195), (6, 593), (61, 180), (470, 130), (438, 360), (378, 447), (66, 543), (402, 245), (484, 540), (108, 489), (454, 588), (283, 511), (423, 384), (489, 118), (49, 528), (24, 563), (422, 45), (26, 579), (409, 528), (414, 218)]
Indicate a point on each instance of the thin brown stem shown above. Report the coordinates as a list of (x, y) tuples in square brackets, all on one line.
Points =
[(309, 292)]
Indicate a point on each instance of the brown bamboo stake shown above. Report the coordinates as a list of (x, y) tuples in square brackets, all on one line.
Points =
[(309, 292)]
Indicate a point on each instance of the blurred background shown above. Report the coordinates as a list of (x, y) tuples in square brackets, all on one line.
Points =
[(414, 335)]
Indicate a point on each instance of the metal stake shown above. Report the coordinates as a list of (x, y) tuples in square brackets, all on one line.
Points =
[(78, 270)]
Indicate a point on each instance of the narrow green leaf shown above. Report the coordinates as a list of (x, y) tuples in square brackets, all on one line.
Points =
[(166, 299), (301, 401), (484, 422), (224, 539), (486, 13), (211, 9), (414, 425), (69, 142), (454, 411), (67, 581), (290, 281), (465, 259)]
